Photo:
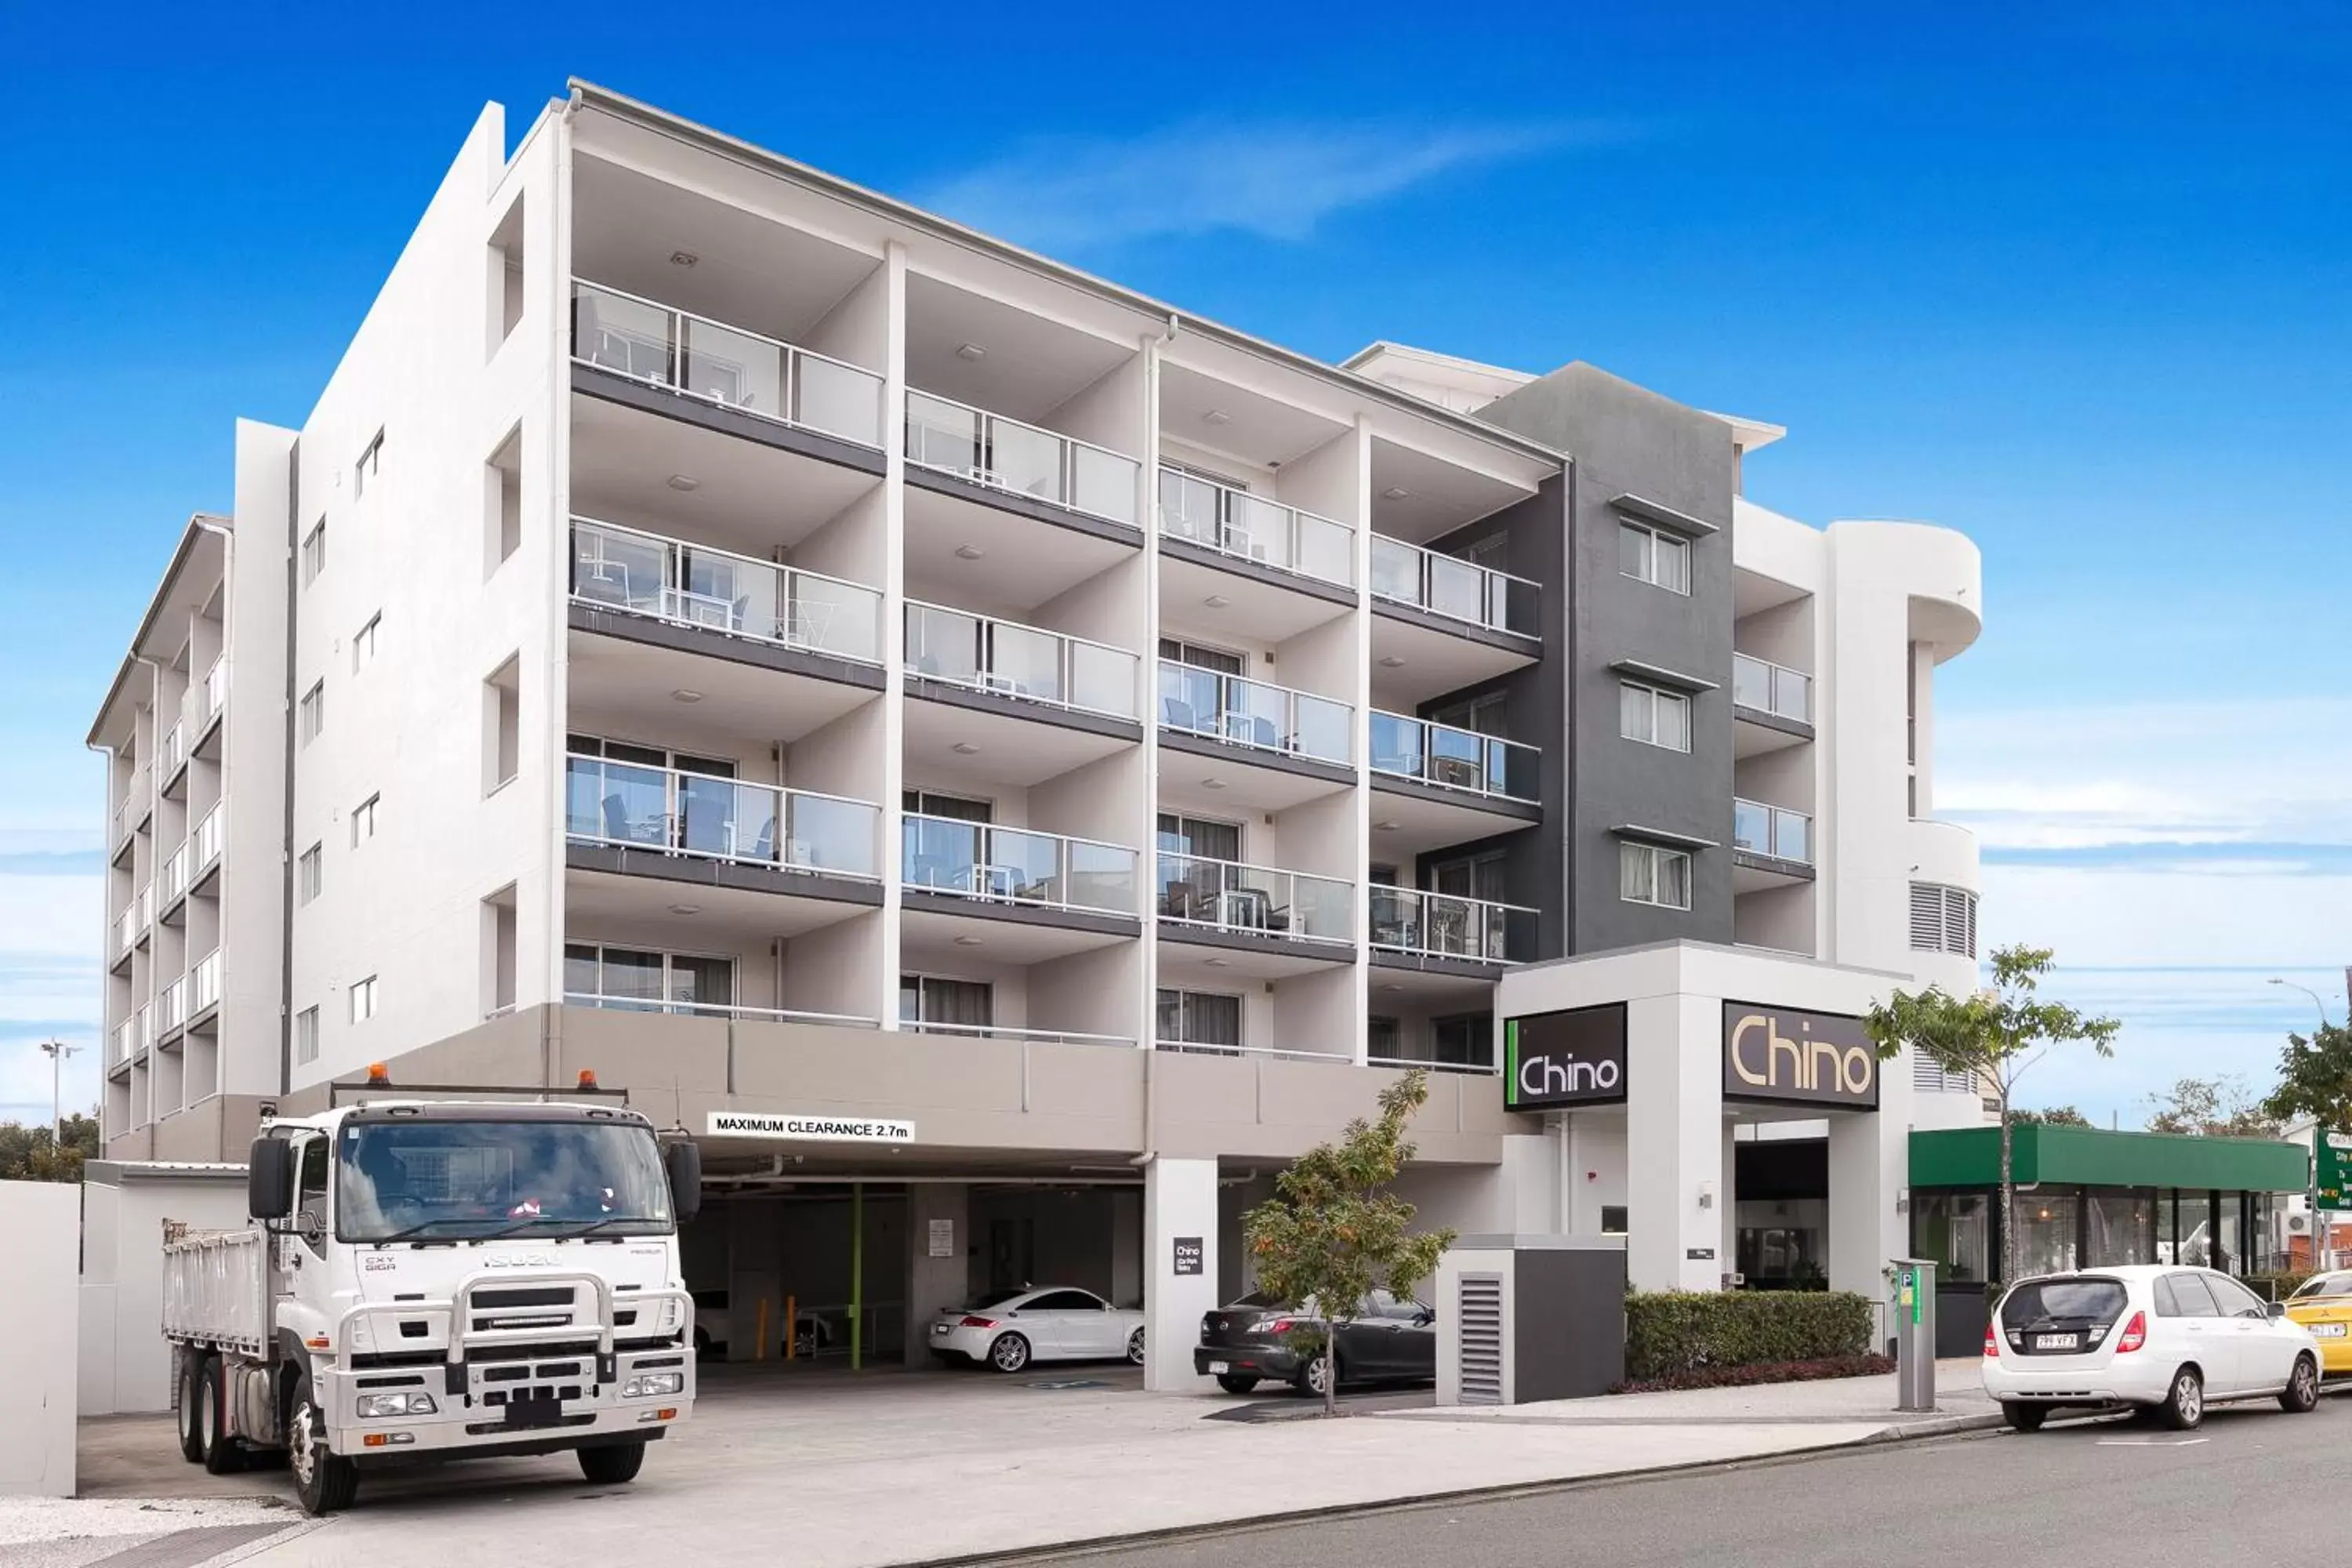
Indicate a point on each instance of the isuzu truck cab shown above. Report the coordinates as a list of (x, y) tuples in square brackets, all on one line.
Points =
[(429, 1281)]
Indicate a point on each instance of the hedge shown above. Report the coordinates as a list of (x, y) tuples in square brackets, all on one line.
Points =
[(1764, 1371), (1672, 1332)]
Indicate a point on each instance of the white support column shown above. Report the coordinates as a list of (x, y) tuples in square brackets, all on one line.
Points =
[(935, 1281), (1180, 1204), (1673, 1144), (1870, 1162), (894, 619)]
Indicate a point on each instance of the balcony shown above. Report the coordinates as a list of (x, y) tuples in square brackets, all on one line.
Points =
[(1226, 903), (204, 985), (1247, 528), (1264, 721), (131, 813), (1454, 589), (173, 886), (171, 1009), (1446, 758), (1773, 704), (126, 928), (1012, 458), (1012, 865), (1771, 845), (173, 750), (206, 840), (1023, 664), (1023, 1036), (706, 591), (725, 367), (633, 820), (143, 1037), (1413, 924), (713, 1010), (120, 1044), (143, 908)]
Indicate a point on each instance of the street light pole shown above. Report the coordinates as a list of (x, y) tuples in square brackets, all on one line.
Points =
[(57, 1051), (2319, 1226)]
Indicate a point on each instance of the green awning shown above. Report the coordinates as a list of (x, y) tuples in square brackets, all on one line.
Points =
[(1970, 1157)]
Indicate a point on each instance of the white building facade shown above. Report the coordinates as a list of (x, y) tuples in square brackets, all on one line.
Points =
[(793, 656)]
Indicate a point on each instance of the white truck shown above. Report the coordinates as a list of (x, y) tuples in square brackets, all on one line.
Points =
[(431, 1280)]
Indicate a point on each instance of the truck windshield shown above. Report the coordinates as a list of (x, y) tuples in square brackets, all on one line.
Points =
[(453, 1179)]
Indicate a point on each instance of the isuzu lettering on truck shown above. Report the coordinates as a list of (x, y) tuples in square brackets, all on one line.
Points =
[(443, 1281)]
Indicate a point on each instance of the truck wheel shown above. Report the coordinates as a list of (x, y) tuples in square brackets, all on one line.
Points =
[(612, 1465), (224, 1456), (192, 1380), (325, 1482)]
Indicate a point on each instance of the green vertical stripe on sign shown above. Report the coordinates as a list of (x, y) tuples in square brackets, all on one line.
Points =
[(1510, 1061)]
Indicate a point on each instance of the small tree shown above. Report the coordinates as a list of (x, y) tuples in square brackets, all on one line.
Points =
[(2209, 1107), (1997, 1034), (2056, 1116), (1332, 1233), (2316, 1078), (34, 1155)]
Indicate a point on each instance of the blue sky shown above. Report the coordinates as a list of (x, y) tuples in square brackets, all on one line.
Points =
[(2074, 282)]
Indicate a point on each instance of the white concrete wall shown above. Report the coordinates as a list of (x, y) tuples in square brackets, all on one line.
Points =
[(42, 1221), (125, 1363)]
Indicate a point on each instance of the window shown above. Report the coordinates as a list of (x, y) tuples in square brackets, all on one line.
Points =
[(310, 1194), (1199, 837), (652, 981), (1466, 1039), (946, 1006), (502, 503), (363, 644), (508, 260), (1943, 919), (1066, 1301), (2233, 1300), (1195, 656), (954, 807), (1660, 718), (1613, 1219), (363, 472), (1650, 874), (312, 716), (305, 1034), (2190, 1299), (309, 874), (503, 725), (1472, 877), (1648, 556), (1480, 715), (363, 820), (1198, 1018), (363, 995), (1384, 1042), (314, 553)]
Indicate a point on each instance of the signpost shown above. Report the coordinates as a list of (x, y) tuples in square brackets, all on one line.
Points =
[(2331, 1179)]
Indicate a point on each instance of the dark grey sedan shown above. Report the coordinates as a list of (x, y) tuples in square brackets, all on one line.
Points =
[(1252, 1341)]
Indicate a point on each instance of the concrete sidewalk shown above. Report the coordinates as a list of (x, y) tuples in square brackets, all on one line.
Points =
[(904, 1468)]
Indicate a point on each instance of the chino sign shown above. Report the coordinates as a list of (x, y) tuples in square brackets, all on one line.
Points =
[(1576, 1057), (1782, 1054)]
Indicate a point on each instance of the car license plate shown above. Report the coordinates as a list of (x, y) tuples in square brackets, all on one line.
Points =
[(2057, 1342), (942, 1328), (1219, 1368), (2327, 1330)]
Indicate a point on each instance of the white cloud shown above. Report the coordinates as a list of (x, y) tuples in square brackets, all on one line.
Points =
[(1277, 179)]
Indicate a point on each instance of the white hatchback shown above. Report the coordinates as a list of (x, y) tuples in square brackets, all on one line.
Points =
[(1009, 1329), (2164, 1338)]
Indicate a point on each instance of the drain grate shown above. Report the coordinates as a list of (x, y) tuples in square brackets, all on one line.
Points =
[(185, 1547), (1061, 1385)]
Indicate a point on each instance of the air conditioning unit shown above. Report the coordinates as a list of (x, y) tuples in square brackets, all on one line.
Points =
[(2299, 1225)]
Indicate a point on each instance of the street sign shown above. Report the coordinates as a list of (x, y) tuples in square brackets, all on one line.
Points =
[(2332, 1173)]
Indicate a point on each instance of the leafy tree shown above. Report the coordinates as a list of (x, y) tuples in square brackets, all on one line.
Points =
[(34, 1155), (2209, 1107), (2054, 1115), (2316, 1078), (1997, 1034), (1332, 1233)]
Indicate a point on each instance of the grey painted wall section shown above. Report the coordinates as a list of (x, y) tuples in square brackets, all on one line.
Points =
[(1627, 439)]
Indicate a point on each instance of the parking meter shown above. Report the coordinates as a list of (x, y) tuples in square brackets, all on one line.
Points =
[(1914, 1333)]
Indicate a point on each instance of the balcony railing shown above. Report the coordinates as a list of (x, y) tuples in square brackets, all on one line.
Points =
[(1457, 589), (684, 1009), (697, 585), (174, 749), (1207, 1048), (126, 926), (1453, 758), (987, 655), (145, 906), (1446, 925), (207, 842), (125, 1034), (1003, 1032), (205, 984), (1252, 527), (1771, 830), (133, 805), (728, 366), (678, 813), (144, 1035), (175, 877), (1253, 713), (1230, 896), (216, 685), (1006, 455), (172, 1006), (1014, 865), (1431, 1064), (1770, 687)]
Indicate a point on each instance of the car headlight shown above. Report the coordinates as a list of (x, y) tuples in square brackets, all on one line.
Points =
[(653, 1385), (377, 1407)]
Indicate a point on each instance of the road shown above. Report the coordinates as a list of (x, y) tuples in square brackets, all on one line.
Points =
[(2252, 1486)]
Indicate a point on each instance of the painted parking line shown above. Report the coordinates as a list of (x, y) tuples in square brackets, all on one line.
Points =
[(2152, 1442)]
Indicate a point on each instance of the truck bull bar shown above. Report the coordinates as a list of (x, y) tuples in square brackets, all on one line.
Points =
[(461, 1309)]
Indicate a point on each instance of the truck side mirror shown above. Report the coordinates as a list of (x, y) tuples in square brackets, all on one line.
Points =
[(682, 1161), (270, 1179)]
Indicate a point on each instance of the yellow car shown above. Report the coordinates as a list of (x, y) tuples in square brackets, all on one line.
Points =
[(2324, 1305)]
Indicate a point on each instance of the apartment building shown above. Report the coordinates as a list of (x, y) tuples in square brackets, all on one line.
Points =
[(804, 660)]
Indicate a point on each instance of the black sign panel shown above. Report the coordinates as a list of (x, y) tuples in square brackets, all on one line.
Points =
[(1575, 1056), (1786, 1055), (1188, 1254)]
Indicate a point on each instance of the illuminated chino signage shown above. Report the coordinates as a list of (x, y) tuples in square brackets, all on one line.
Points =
[(1815, 1058), (1572, 1058)]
